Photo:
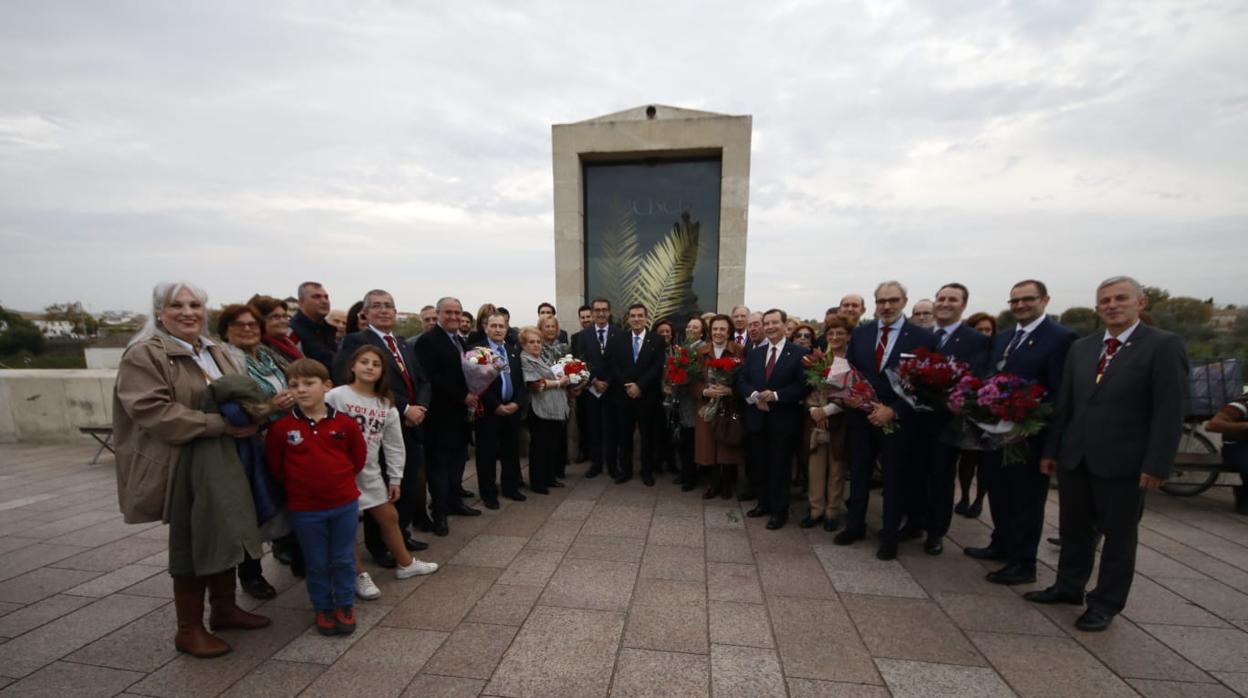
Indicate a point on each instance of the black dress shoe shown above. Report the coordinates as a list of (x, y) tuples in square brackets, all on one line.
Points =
[(910, 533), (934, 545), (555, 483), (776, 522), (647, 479), (809, 521), (746, 496), (424, 524), (975, 510), (465, 494), (1094, 620), (710, 491), (593, 472), (490, 503), (1013, 574), (463, 510), (281, 553), (887, 549), (849, 536), (414, 545), (1055, 541), (516, 496), (1052, 595), (258, 588), (689, 487), (440, 529), (986, 553), (539, 490), (757, 512), (621, 479), (385, 560), (961, 507), (831, 524)]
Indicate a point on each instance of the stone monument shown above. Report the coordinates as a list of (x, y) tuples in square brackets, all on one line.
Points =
[(651, 205)]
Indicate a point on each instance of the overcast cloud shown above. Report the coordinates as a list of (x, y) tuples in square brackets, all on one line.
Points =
[(249, 146)]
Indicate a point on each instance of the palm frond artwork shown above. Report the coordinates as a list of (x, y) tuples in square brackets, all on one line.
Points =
[(617, 267), (664, 279)]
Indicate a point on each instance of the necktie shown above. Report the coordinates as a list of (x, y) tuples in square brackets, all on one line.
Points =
[(881, 348), (1111, 348), (398, 359), (505, 374), (602, 339), (940, 336), (636, 346), (771, 363), (1018, 339), (741, 338)]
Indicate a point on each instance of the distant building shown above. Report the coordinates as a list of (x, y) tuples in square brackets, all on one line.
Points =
[(1224, 320), (56, 329)]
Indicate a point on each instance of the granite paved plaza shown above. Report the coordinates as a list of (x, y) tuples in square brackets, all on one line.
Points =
[(615, 590)]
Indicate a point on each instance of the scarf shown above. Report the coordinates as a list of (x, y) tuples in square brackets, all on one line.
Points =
[(283, 346)]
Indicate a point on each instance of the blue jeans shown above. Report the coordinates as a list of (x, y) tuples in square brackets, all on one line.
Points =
[(328, 541)]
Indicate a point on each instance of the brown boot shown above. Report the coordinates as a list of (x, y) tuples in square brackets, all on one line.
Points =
[(225, 612), (188, 600)]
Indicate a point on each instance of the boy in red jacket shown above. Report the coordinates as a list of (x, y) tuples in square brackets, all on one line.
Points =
[(315, 453)]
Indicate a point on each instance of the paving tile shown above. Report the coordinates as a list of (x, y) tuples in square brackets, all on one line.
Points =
[(61, 679), (673, 562), (25, 654), (572, 510), (855, 570), (489, 551), (798, 576), (998, 614), (382, 663), (11, 543), (1029, 663), (628, 496), (734, 623), (41, 583), (591, 547), (678, 504), (472, 651), (143, 645), (723, 517), (98, 534), (275, 678), (817, 640), (951, 571), (504, 605), (1237, 680), (560, 652), (127, 551), (445, 599), (1151, 688), (69, 524), (531, 568), (671, 530), (671, 629), (726, 581), (669, 593), (622, 521), (1152, 603), (1211, 595), (114, 581), (907, 679), (1232, 576), (728, 546), (7, 607), (31, 557), (431, 686), (1211, 649), (30, 617), (1153, 564), (312, 647), (597, 584), (649, 674), (161, 587), (555, 536), (809, 688), (914, 629), (745, 672)]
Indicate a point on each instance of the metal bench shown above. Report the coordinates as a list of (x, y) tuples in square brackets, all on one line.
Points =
[(103, 436)]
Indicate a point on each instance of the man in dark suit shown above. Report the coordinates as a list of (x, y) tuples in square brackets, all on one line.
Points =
[(411, 398), (317, 338), (873, 348), (590, 345), (1034, 351), (1116, 431), (755, 470), (740, 318), (498, 428), (635, 365), (773, 383), (960, 343), (441, 353)]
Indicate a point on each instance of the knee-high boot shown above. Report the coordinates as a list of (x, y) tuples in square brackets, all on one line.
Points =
[(713, 481), (225, 612), (188, 601)]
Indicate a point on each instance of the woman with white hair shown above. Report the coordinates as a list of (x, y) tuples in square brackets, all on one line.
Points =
[(161, 387)]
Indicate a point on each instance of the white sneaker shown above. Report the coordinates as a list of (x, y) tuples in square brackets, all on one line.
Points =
[(365, 588), (416, 569)]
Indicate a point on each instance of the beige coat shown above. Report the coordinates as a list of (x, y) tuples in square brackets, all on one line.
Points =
[(156, 409)]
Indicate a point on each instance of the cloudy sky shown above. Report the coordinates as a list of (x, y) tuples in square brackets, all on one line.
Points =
[(248, 146)]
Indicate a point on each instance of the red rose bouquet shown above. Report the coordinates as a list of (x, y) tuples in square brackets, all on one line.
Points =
[(718, 372), (481, 366), (1004, 410), (850, 389), (924, 379), (681, 364)]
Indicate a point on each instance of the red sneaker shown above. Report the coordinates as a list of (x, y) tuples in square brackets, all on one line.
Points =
[(325, 624), (344, 620)]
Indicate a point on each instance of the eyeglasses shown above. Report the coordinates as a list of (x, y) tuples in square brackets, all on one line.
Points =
[(1023, 299), (804, 335), (921, 313), (381, 306), (249, 325), (889, 301)]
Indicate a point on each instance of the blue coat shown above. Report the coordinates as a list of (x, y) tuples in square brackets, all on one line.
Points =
[(1040, 357), (861, 355), (968, 345)]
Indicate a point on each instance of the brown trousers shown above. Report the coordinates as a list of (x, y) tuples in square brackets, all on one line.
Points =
[(826, 472)]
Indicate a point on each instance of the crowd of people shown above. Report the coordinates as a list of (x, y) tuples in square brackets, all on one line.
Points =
[(342, 420)]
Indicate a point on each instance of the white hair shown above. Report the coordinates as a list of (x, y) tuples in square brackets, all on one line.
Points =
[(883, 284), (162, 295), (447, 299), (1139, 290)]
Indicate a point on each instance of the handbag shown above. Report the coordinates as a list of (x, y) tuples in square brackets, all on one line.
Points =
[(728, 428)]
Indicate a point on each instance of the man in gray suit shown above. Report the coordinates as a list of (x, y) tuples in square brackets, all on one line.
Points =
[(1114, 435)]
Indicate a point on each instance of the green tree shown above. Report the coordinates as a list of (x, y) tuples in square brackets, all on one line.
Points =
[(18, 335), (1182, 314), (1082, 320)]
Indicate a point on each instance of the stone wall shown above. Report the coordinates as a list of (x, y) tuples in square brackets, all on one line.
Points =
[(39, 405)]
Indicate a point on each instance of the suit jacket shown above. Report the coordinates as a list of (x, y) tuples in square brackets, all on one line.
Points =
[(1040, 357), (493, 396), (316, 339), (788, 379), (969, 345), (1131, 421), (585, 347), (646, 371), (442, 357), (861, 355), (367, 337)]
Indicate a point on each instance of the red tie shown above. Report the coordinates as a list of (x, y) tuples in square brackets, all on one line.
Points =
[(398, 359), (881, 347), (771, 364), (1111, 348)]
